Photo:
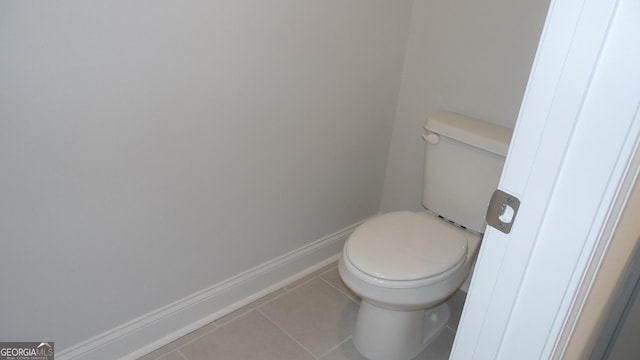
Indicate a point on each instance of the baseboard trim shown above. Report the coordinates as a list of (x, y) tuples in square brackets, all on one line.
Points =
[(162, 326)]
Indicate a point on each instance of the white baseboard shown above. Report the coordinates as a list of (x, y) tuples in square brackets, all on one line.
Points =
[(162, 326)]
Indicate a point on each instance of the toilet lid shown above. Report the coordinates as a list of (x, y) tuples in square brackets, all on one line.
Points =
[(406, 246)]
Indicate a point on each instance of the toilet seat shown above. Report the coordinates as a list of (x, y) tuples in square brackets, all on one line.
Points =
[(405, 249)]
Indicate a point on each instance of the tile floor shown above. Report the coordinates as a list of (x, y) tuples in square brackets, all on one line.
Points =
[(312, 318)]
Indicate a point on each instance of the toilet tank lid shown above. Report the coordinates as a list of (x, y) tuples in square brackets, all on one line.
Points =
[(474, 132)]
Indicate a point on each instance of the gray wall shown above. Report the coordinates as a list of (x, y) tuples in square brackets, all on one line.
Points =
[(150, 149), (472, 57)]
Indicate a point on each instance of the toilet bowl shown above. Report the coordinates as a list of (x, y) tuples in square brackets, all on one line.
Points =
[(404, 265)]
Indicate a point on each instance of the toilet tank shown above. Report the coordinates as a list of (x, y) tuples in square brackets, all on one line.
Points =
[(463, 162)]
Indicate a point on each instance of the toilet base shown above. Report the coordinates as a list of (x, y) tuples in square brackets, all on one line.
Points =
[(383, 334)]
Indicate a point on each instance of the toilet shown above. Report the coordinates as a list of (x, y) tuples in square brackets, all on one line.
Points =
[(405, 264)]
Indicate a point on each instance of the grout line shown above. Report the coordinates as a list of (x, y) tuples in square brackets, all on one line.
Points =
[(316, 277), (335, 347), (212, 330), (300, 284), (354, 299), (216, 325), (251, 306), (276, 297), (177, 348), (329, 270), (315, 274), (181, 354), (342, 292), (286, 333), (240, 316)]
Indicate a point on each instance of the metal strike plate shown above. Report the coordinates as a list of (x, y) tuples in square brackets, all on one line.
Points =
[(502, 211)]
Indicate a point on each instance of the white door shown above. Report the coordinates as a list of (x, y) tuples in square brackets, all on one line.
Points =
[(570, 158)]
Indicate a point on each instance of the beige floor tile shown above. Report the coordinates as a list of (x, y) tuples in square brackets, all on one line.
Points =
[(456, 302), (317, 315), (174, 355), (249, 337), (161, 352), (314, 274), (440, 348), (333, 278), (245, 309), (346, 351), (155, 354)]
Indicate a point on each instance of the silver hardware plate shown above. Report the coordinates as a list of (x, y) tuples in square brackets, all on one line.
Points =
[(502, 211)]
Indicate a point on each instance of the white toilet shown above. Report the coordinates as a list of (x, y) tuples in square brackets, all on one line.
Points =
[(404, 264)]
